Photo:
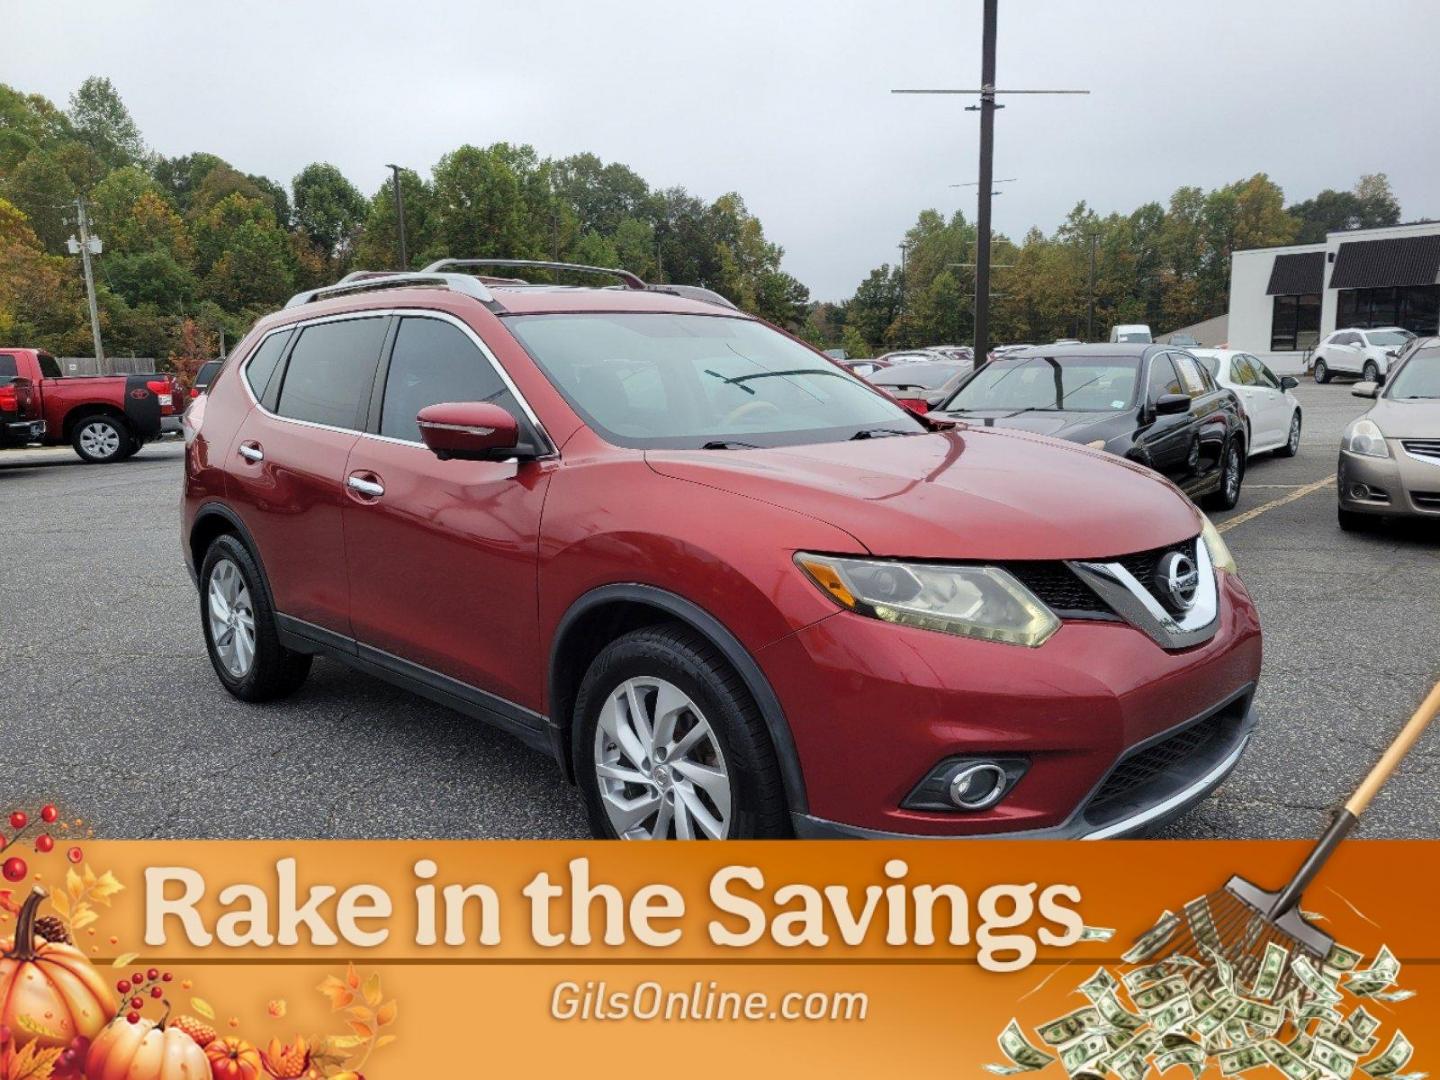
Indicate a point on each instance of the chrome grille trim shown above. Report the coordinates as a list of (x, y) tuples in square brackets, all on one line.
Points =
[(1137, 606), (1426, 450)]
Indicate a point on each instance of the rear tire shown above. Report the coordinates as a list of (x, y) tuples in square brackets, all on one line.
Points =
[(245, 649), (1354, 522), (1232, 475), (1322, 371), (713, 774), (100, 440), (1292, 444)]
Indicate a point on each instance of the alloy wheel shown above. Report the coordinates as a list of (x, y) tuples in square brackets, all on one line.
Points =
[(661, 772), (1371, 372), (100, 439), (232, 618), (1232, 474), (1294, 444)]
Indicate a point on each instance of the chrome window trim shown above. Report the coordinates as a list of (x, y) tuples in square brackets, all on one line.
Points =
[(1134, 603), (549, 450)]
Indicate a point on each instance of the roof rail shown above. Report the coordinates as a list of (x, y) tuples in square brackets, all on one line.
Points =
[(354, 283), (693, 292), (631, 280)]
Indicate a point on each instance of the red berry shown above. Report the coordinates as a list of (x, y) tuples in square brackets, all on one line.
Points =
[(75, 854), (44, 844), (152, 974), (138, 978), (166, 977), (15, 869), (133, 1017), (123, 986), (137, 1003), (19, 819), (157, 993), (49, 814)]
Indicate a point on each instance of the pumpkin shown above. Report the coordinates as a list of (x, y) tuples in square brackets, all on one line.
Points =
[(145, 1051), (49, 993), (233, 1059)]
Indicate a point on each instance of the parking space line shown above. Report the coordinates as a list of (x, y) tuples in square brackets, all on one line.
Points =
[(1298, 493)]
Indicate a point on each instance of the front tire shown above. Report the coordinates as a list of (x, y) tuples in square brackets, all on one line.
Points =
[(1292, 444), (1371, 372), (1231, 475), (1322, 371), (239, 626), (669, 745), (1352, 521), (100, 440)]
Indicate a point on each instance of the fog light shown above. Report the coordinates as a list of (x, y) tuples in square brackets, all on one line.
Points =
[(977, 786), (1359, 491), (966, 783)]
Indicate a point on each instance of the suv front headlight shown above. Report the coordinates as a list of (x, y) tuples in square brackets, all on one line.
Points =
[(1215, 545), (1364, 437), (972, 601)]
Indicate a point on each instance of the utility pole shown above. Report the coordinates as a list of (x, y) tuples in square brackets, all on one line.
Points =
[(1090, 313), (400, 215), (986, 108), (86, 246)]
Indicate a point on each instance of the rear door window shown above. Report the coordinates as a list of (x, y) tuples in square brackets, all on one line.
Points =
[(435, 361), (330, 372), (1190, 375)]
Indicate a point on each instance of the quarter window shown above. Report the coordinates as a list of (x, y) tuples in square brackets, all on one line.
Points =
[(1190, 375), (330, 372), (434, 361), (262, 365)]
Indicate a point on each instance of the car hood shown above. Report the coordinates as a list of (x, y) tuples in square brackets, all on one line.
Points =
[(1075, 426), (969, 493), (1407, 419)]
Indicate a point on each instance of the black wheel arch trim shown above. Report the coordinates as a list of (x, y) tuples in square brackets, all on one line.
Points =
[(220, 510), (700, 620)]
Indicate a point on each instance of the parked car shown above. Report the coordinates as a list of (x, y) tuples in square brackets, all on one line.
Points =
[(1131, 332), (961, 353), (864, 367), (1067, 341), (105, 418), (1356, 351), (735, 591), (1272, 412), (932, 383), (908, 356), (205, 376), (1185, 341), (1149, 403), (1390, 457)]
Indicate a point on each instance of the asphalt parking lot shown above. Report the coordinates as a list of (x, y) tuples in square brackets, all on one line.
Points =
[(107, 698)]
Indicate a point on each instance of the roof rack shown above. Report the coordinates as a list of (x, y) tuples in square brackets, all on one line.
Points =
[(630, 280), (361, 281)]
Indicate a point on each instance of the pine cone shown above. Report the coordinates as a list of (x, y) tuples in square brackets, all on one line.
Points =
[(52, 929)]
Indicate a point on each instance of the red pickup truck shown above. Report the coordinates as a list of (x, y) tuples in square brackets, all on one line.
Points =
[(105, 417)]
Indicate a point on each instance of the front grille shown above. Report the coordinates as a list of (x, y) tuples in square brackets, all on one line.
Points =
[(1156, 760), (1426, 448), (1056, 585)]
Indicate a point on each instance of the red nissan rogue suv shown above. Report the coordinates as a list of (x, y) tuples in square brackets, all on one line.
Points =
[(734, 590)]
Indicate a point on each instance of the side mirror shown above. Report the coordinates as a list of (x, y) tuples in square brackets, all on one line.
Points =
[(1288, 382), (919, 406), (1365, 389), (471, 431), (1171, 404)]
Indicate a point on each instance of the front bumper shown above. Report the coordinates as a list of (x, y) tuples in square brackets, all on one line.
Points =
[(873, 707), (1401, 485)]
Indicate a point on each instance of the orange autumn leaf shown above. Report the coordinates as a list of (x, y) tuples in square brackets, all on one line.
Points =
[(352, 977), (386, 1013), (339, 994), (31, 1062), (372, 990), (365, 1031), (277, 1008)]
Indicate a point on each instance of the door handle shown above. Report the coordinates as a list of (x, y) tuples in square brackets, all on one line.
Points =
[(369, 488), (251, 451)]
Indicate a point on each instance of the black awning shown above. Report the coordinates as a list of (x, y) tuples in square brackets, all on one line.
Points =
[(1376, 264), (1295, 275)]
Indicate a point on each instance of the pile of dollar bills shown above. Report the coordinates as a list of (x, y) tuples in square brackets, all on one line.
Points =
[(1196, 1012)]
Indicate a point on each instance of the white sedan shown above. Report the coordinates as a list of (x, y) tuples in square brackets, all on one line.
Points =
[(1272, 415)]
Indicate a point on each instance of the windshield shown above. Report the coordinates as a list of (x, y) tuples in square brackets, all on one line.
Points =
[(685, 381), (1078, 383), (1387, 337), (1134, 335), (1418, 378), (925, 376)]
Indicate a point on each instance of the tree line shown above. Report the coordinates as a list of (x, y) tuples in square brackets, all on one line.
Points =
[(196, 248), (1167, 266)]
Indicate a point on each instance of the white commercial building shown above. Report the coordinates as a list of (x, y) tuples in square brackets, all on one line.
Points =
[(1284, 299)]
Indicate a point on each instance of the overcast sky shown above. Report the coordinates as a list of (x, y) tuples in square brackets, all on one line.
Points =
[(786, 102)]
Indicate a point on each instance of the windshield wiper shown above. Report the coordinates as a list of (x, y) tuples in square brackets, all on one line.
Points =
[(878, 433), (728, 444)]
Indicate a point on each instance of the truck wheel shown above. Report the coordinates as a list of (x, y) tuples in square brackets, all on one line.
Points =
[(239, 626), (669, 745), (100, 439)]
